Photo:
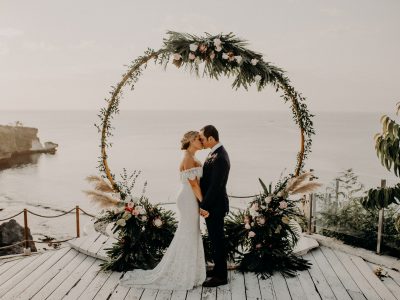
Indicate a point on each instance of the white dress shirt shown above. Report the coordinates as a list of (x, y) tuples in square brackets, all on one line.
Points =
[(215, 148)]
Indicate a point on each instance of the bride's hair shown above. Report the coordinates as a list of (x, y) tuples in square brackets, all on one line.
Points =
[(187, 137)]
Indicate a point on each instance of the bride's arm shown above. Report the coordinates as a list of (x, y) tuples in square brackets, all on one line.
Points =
[(196, 189), (194, 183)]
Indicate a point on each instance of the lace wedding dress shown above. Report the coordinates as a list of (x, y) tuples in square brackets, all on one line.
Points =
[(183, 264)]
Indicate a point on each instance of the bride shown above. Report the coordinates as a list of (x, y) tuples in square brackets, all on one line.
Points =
[(183, 264)]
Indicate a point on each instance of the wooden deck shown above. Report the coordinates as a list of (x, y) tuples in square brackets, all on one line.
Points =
[(69, 274)]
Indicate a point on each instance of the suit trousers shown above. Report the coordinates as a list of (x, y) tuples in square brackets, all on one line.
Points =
[(215, 228)]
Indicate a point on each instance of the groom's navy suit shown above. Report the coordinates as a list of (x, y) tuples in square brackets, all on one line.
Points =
[(216, 202)]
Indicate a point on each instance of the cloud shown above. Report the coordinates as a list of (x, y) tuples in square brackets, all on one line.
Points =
[(10, 32)]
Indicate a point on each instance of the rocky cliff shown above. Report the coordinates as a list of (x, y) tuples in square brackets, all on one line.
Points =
[(15, 140)]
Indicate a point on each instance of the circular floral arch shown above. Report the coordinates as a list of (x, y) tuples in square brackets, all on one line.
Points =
[(222, 54)]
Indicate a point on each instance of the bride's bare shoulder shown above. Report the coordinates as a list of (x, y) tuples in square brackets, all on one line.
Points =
[(188, 162)]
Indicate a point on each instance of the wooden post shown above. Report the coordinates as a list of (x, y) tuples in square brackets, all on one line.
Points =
[(313, 211), (337, 194), (380, 223), (77, 221), (310, 207), (26, 228)]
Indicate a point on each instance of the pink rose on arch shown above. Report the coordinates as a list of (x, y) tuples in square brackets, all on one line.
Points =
[(283, 205), (135, 212), (192, 56), (258, 246), (252, 234), (247, 226)]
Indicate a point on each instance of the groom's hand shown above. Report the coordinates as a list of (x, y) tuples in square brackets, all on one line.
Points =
[(204, 213)]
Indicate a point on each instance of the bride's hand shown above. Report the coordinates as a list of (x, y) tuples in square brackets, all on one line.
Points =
[(204, 213)]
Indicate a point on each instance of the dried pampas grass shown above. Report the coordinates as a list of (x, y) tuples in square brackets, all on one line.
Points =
[(301, 184), (295, 182), (102, 199), (306, 188), (102, 194), (100, 184)]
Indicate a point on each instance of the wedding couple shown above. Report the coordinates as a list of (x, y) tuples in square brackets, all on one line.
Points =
[(202, 192)]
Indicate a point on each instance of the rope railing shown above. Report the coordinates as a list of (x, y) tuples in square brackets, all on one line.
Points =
[(242, 197), (35, 214), (12, 216), (26, 240)]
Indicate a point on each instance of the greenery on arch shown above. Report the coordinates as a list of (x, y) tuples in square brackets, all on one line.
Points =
[(215, 56)]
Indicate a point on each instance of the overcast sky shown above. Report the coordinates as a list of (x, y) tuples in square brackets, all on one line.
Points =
[(342, 55)]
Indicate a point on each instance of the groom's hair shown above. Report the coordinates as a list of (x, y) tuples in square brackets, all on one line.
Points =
[(210, 130)]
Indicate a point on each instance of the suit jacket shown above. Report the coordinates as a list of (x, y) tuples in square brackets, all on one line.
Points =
[(213, 183)]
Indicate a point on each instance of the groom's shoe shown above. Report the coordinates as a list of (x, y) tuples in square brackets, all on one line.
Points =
[(214, 281)]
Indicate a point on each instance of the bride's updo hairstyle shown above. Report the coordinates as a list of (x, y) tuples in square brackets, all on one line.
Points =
[(187, 138)]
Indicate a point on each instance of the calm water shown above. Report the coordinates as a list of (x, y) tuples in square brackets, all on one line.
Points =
[(260, 144)]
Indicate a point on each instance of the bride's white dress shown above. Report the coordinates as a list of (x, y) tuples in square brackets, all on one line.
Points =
[(183, 264)]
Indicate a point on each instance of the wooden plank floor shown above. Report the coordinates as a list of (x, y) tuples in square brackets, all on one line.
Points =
[(69, 274)]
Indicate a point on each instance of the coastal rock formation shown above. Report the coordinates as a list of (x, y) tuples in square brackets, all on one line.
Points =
[(10, 233), (16, 140)]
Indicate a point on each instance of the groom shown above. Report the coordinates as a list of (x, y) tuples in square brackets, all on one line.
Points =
[(215, 204)]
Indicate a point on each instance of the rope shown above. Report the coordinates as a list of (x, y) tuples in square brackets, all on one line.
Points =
[(51, 216), (12, 216), (42, 216), (242, 197), (90, 215), (48, 242)]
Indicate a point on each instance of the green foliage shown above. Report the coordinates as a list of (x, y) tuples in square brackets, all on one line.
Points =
[(261, 238), (246, 73), (387, 146), (357, 226), (127, 184), (222, 55), (229, 57), (348, 185), (349, 221), (141, 240), (381, 197)]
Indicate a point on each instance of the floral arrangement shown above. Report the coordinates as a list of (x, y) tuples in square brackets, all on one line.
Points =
[(261, 238), (222, 55), (144, 230), (250, 235)]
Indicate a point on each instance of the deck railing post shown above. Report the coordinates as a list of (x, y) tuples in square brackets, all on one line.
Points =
[(26, 228), (380, 223), (77, 221), (310, 211), (337, 193), (313, 211)]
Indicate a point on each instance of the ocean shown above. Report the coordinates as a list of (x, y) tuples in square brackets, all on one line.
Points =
[(261, 144)]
